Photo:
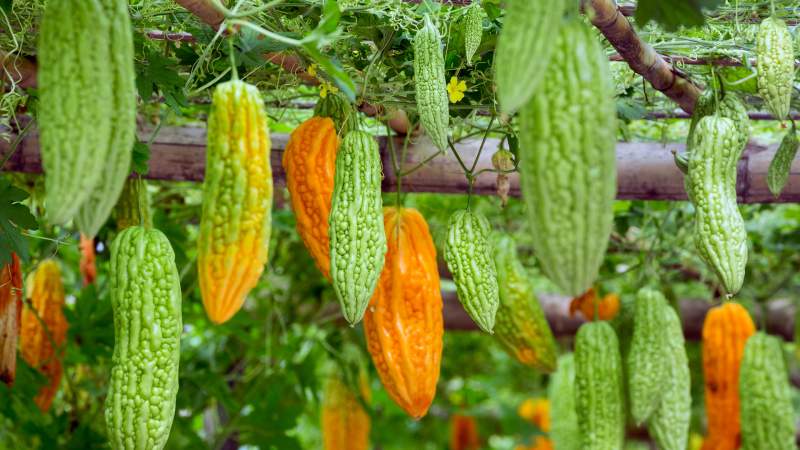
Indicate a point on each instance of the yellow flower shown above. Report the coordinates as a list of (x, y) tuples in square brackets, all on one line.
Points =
[(537, 411), (456, 90), (312, 70), (326, 88)]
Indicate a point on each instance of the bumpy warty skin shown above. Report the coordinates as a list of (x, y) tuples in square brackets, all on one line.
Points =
[(525, 49), (97, 207), (567, 164), (357, 237), (766, 397), (403, 324), (564, 430), (469, 257), (669, 423), (146, 298), (75, 114), (779, 168), (647, 362), (431, 85), (237, 200), (775, 51), (520, 325), (310, 163), (720, 234), (598, 387), (473, 31)]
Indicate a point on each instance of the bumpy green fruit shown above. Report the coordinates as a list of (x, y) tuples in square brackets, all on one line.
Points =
[(781, 165), (669, 423), (731, 107), (469, 257), (357, 237), (775, 60), (647, 363), (473, 30), (102, 198), (598, 387), (766, 397), (525, 48), (720, 235), (432, 106), (146, 297), (564, 431), (520, 324), (337, 108), (567, 160)]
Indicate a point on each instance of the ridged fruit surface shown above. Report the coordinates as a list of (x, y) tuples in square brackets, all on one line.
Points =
[(768, 419), (520, 325), (94, 212), (469, 257), (357, 237), (599, 399), (781, 165), (237, 200), (146, 299), (403, 325), (431, 86), (310, 163), (567, 155), (10, 312), (564, 430), (345, 423), (525, 49), (725, 332), (473, 30), (87, 105), (720, 234), (648, 369), (43, 331), (775, 63)]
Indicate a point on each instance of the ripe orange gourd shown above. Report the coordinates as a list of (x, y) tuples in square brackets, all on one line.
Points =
[(403, 323), (607, 307), (87, 264), (345, 424), (725, 332), (309, 162), (42, 346), (464, 433), (10, 310)]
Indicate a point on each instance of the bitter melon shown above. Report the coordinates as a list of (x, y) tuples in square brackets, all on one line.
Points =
[(766, 397), (473, 30), (781, 165), (96, 208), (237, 199), (525, 49), (146, 298), (520, 324), (357, 237), (431, 85), (337, 108), (567, 160), (469, 257), (720, 235), (564, 430), (775, 64), (598, 387), (648, 368)]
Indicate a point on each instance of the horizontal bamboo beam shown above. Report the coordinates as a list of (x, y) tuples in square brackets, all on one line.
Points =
[(646, 170)]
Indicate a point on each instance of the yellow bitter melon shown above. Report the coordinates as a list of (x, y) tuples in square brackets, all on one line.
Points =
[(775, 53), (146, 298), (356, 232), (237, 199), (567, 164), (720, 235), (598, 387), (520, 324), (431, 86), (468, 255)]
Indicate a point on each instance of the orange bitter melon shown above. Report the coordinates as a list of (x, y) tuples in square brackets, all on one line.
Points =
[(725, 332), (403, 324), (310, 162), (345, 423), (44, 328), (87, 264), (10, 310), (237, 200)]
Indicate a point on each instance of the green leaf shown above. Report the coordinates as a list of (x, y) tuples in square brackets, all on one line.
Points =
[(333, 70), (141, 157), (673, 14), (13, 216)]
